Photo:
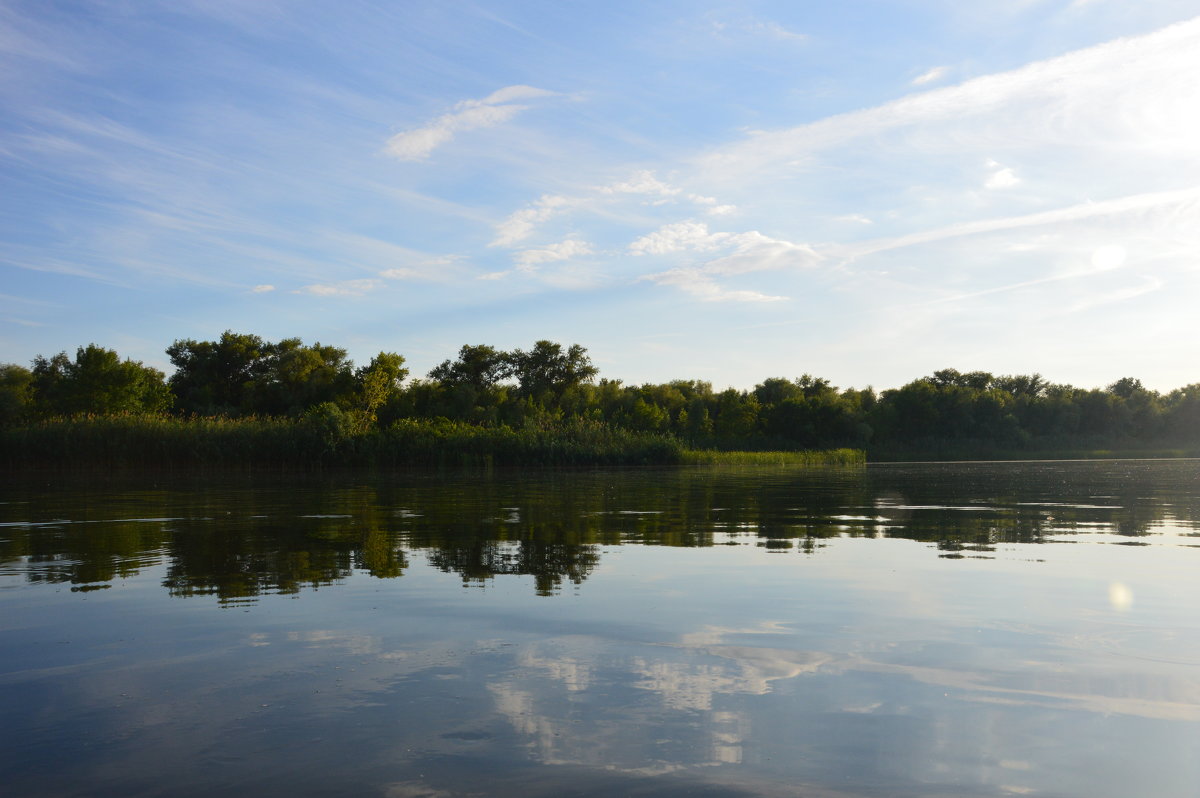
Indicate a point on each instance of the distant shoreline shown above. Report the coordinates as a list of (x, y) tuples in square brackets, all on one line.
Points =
[(165, 440), (160, 440)]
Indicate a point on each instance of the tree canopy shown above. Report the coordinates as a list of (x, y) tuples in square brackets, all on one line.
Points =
[(244, 375), (96, 381)]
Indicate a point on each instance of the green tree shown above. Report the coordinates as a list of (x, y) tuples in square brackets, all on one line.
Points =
[(479, 367), (1125, 387), (97, 381), (737, 415), (1029, 385), (469, 386), (379, 385), (547, 370), (16, 392), (217, 377), (298, 377), (776, 390)]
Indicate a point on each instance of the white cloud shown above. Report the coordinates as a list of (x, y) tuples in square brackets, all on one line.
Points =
[(745, 252), (495, 109), (1086, 210), (510, 93), (345, 288), (262, 289), (424, 268), (1130, 92), (1001, 176), (1109, 256), (520, 225), (21, 322), (678, 237), (758, 28), (775, 31), (931, 76), (856, 218), (703, 287), (600, 199), (400, 274), (643, 182), (1147, 284), (564, 250), (754, 252), (748, 252)]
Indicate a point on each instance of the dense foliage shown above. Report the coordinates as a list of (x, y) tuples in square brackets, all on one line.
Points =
[(486, 394)]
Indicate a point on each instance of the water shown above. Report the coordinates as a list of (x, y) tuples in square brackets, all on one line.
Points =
[(900, 630)]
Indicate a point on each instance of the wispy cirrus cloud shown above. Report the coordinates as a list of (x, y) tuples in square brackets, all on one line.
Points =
[(737, 254), (644, 186), (930, 76), (1188, 198), (564, 250), (775, 31), (758, 28), (699, 285), (520, 224), (1129, 90), (498, 107), (349, 288), (643, 181)]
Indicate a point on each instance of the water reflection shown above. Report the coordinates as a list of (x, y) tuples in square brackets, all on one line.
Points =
[(241, 538), (958, 630)]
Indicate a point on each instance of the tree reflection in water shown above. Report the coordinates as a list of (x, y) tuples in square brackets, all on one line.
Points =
[(237, 537)]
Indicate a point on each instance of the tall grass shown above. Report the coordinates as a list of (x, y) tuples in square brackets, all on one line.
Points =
[(331, 439), (838, 457), (156, 440)]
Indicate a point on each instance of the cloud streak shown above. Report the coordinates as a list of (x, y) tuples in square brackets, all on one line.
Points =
[(743, 253), (1073, 213), (930, 76), (1156, 77), (565, 250), (498, 107)]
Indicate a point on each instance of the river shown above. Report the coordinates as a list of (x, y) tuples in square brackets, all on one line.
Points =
[(972, 629)]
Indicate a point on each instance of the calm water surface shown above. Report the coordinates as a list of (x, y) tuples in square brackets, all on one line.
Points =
[(899, 630)]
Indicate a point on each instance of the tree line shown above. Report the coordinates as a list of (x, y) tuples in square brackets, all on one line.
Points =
[(243, 376)]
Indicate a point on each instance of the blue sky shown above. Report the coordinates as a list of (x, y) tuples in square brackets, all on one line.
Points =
[(864, 191)]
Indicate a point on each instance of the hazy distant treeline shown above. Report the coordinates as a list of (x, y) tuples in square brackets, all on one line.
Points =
[(241, 376)]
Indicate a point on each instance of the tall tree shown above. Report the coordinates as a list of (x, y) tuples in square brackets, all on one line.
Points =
[(97, 381), (215, 377), (16, 388), (379, 383), (479, 367), (298, 377), (548, 370)]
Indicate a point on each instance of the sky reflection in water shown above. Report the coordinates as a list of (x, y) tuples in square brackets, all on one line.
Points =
[(889, 631)]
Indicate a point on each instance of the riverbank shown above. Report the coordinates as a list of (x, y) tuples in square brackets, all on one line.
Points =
[(317, 441), (1044, 450)]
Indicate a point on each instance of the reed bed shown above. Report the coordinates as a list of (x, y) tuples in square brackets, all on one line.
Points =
[(329, 440), (158, 440), (827, 457)]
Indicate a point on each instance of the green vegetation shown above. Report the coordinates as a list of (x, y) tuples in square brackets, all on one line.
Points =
[(833, 457), (324, 436), (243, 399)]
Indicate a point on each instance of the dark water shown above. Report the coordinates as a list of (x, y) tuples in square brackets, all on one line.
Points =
[(920, 630)]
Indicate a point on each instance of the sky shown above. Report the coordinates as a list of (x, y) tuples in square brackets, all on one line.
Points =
[(729, 191)]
